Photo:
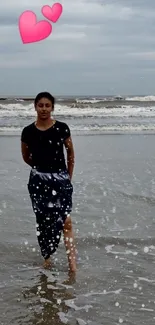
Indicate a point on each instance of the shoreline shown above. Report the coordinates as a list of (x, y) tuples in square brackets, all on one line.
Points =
[(90, 134)]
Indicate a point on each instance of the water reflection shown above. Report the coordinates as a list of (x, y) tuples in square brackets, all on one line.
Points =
[(46, 300)]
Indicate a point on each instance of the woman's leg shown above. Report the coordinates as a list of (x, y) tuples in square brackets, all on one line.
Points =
[(69, 243), (43, 240)]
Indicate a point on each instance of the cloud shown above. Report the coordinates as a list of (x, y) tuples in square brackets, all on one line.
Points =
[(94, 43), (143, 55)]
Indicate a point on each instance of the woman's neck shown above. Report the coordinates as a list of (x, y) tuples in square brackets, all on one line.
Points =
[(44, 124)]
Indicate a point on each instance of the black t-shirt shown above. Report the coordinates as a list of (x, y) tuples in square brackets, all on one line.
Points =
[(47, 147)]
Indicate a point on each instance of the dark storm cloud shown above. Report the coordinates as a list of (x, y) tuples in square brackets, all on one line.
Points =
[(95, 43), (7, 19)]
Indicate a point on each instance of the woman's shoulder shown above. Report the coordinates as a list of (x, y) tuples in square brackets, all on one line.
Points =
[(63, 129), (27, 132), (61, 125), (29, 127)]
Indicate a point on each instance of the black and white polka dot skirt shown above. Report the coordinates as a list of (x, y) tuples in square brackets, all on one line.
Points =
[(51, 197)]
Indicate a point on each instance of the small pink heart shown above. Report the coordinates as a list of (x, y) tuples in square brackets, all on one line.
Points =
[(52, 13), (32, 31)]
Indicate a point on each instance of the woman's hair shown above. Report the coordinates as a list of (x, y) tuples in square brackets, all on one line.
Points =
[(44, 94)]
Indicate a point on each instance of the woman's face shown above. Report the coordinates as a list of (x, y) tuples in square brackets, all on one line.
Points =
[(44, 108)]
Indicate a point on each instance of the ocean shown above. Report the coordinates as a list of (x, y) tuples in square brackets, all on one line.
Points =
[(88, 115), (113, 218)]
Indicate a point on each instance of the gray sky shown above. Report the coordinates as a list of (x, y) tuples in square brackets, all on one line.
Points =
[(102, 47)]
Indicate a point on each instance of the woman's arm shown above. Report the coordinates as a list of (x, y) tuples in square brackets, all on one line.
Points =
[(70, 155), (26, 154)]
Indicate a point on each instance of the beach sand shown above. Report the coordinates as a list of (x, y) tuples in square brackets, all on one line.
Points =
[(114, 223)]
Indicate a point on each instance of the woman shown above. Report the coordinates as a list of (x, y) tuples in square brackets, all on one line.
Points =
[(49, 185)]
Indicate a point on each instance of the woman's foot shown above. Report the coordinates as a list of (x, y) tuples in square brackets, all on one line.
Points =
[(47, 263)]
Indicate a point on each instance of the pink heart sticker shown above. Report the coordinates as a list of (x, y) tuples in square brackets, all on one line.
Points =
[(52, 13), (32, 31)]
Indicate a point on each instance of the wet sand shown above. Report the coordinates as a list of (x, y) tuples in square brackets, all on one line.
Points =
[(114, 222)]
